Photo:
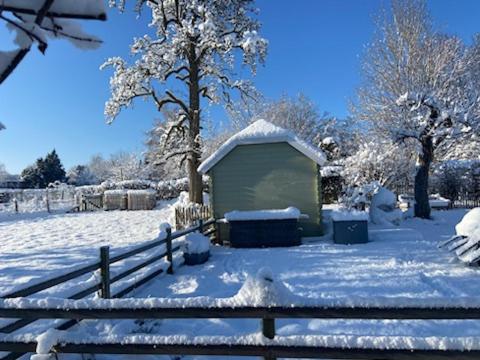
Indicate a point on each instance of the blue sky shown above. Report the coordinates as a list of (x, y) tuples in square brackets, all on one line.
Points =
[(56, 100)]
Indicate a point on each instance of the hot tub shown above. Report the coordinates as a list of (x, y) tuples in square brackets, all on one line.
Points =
[(264, 228)]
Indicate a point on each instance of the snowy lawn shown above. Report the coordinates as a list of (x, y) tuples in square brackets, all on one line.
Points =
[(38, 246), (399, 263)]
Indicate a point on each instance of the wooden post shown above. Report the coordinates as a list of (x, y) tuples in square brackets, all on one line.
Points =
[(268, 330), (105, 271), (169, 250), (200, 226), (15, 202), (46, 201)]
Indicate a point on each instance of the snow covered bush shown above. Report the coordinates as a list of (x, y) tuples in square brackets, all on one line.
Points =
[(380, 202), (452, 178), (358, 197), (378, 160), (383, 208)]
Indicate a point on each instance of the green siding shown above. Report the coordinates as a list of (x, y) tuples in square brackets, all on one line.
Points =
[(268, 176)]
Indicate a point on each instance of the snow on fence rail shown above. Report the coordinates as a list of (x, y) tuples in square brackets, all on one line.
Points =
[(266, 344), (107, 279)]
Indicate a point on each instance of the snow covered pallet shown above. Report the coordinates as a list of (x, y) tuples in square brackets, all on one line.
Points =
[(270, 345), (465, 248)]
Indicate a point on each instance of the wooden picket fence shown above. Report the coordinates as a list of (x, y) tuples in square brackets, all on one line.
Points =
[(187, 216), (105, 260)]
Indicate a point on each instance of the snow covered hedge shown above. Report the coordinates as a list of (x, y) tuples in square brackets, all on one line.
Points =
[(168, 189)]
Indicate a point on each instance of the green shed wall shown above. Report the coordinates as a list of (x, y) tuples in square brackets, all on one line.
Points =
[(268, 176)]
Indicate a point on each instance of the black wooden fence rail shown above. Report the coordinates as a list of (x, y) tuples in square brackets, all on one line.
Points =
[(268, 316), (106, 280)]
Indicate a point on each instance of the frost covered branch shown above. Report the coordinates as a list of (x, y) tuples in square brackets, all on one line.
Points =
[(34, 22)]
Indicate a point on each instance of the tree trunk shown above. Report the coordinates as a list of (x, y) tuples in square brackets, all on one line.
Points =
[(425, 158), (193, 161)]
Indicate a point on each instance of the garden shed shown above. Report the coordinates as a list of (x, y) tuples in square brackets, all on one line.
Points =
[(265, 167)]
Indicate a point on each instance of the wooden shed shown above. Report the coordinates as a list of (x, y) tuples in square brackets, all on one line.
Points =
[(267, 167)]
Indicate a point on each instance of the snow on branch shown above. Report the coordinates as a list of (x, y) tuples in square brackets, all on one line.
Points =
[(34, 22), (196, 43)]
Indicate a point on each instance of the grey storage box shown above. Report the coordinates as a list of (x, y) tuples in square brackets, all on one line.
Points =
[(350, 228)]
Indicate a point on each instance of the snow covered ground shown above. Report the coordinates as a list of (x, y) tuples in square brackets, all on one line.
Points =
[(37, 246), (399, 264)]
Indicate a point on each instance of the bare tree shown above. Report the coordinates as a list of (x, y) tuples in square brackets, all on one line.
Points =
[(418, 88), (35, 21), (194, 48)]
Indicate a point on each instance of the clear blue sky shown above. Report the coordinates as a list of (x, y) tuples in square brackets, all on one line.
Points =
[(56, 100)]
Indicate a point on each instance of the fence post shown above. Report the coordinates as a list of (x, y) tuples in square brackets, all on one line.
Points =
[(47, 201), (169, 250), (15, 202), (200, 226), (268, 330), (105, 271)]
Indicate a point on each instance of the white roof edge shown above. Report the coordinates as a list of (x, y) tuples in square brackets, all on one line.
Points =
[(244, 138)]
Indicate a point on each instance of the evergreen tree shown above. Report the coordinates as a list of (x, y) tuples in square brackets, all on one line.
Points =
[(44, 171), (52, 169)]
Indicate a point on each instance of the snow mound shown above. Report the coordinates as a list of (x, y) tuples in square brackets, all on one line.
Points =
[(470, 224), (262, 132), (383, 209), (280, 214), (263, 289), (469, 227), (196, 243)]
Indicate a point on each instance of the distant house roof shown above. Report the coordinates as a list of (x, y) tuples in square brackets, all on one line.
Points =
[(262, 132)]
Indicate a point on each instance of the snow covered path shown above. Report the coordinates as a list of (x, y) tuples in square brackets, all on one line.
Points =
[(38, 246)]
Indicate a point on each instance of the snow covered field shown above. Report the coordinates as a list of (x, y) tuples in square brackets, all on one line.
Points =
[(399, 264), (38, 246)]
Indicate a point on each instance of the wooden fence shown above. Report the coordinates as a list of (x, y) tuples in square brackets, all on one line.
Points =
[(186, 216), (272, 346), (105, 260)]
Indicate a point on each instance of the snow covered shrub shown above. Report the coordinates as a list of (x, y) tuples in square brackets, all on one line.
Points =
[(453, 178), (358, 197), (383, 208), (379, 161), (171, 189), (381, 203), (264, 289)]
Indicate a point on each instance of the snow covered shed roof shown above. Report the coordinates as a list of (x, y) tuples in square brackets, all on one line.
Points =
[(262, 132)]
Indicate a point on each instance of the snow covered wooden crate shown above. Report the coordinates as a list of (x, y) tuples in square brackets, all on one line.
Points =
[(141, 199), (264, 228), (266, 167), (115, 200), (350, 227)]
